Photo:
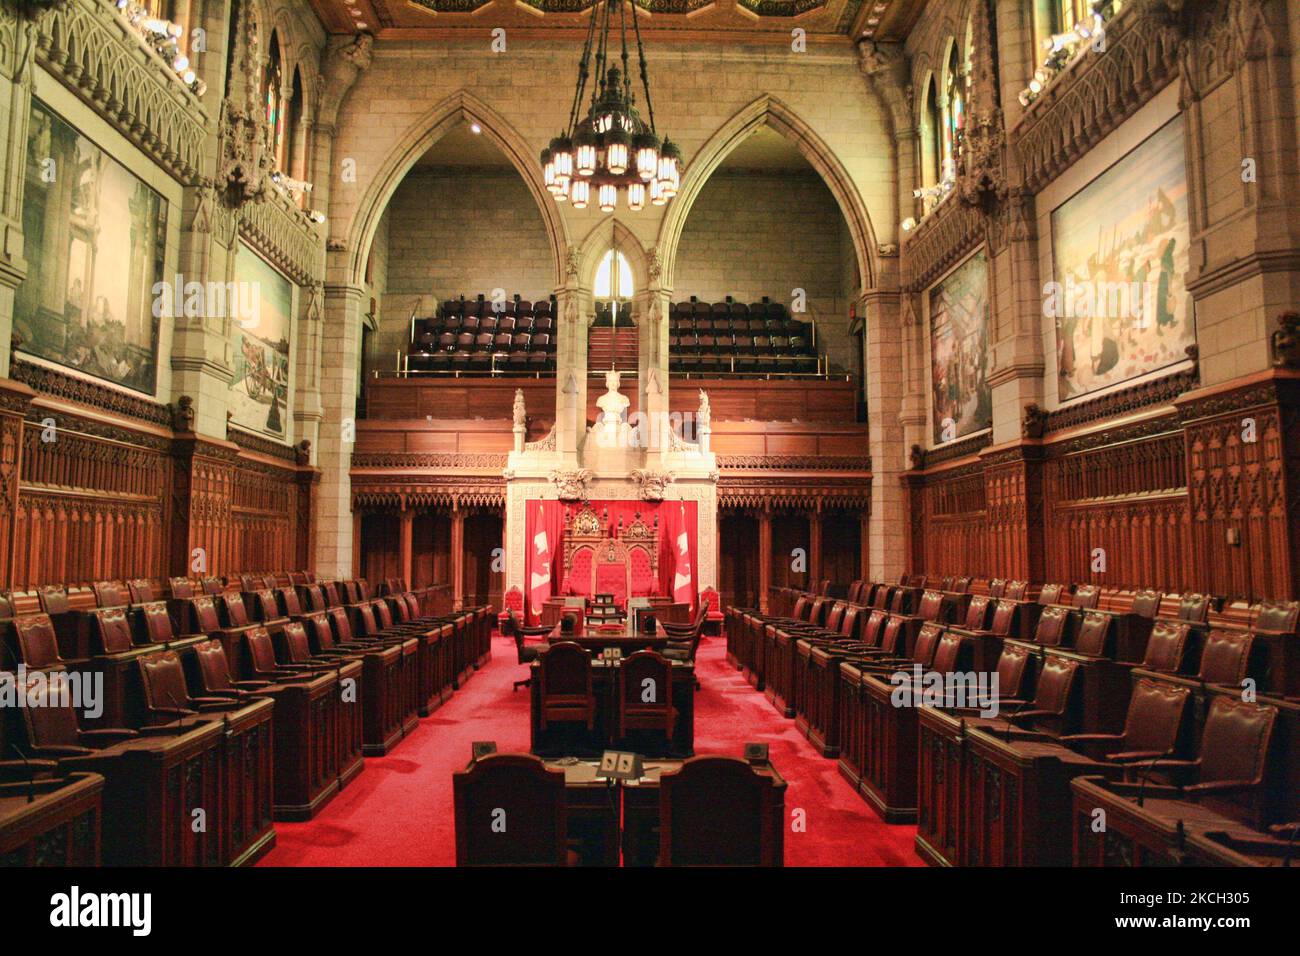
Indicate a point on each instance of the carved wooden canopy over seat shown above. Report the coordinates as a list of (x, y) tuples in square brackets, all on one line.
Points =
[(604, 559)]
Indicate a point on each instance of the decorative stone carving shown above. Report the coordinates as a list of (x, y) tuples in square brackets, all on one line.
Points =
[(1034, 422), (520, 410), (302, 453), (704, 417), (543, 444), (656, 263), (917, 454), (246, 161), (84, 45), (651, 485), (183, 414), (571, 483), (342, 65), (1286, 341), (572, 263)]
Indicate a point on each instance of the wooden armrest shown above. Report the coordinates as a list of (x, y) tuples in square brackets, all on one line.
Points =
[(1219, 786), (54, 752), (107, 736)]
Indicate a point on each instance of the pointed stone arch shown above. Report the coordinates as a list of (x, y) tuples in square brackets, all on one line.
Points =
[(461, 106), (608, 234), (767, 110)]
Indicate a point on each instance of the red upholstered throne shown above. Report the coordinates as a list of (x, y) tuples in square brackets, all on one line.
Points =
[(599, 559), (712, 620), (512, 602)]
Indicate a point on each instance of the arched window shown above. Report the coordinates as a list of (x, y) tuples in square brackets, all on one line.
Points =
[(954, 110), (613, 287), (277, 113), (934, 141)]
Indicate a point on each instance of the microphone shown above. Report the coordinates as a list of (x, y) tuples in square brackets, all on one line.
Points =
[(177, 707), (31, 773), (1010, 721), (1142, 781)]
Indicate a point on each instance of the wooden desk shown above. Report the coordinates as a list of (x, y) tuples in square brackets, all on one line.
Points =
[(594, 806), (626, 639), (557, 740), (60, 827)]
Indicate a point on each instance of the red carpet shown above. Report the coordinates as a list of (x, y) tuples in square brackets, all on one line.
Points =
[(399, 811)]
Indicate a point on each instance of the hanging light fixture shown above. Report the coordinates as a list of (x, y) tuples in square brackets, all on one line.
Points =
[(611, 147)]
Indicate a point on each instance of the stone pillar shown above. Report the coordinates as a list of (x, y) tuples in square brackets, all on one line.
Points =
[(341, 335), (457, 558), (885, 390), (16, 68), (764, 557), (652, 364), (570, 370)]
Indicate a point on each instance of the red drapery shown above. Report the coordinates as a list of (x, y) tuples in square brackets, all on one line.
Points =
[(544, 551), (544, 566)]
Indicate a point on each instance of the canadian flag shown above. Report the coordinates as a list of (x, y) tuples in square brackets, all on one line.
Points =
[(682, 577), (539, 584)]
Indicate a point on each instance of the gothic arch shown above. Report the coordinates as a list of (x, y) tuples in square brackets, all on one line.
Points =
[(609, 234), (415, 142), (767, 110)]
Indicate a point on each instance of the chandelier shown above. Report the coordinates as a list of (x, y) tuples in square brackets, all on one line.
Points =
[(611, 149)]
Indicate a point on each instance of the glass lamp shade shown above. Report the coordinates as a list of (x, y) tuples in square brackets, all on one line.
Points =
[(586, 160), (636, 197), (657, 197), (608, 194), (580, 192), (617, 144), (616, 158), (561, 192), (647, 161)]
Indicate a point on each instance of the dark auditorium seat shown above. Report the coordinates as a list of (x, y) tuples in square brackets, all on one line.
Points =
[(510, 810)]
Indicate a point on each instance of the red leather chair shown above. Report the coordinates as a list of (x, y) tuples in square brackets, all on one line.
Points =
[(645, 695), (719, 811), (166, 695), (1055, 711), (213, 672), (510, 811), (53, 730), (1156, 726), (1167, 647), (564, 679)]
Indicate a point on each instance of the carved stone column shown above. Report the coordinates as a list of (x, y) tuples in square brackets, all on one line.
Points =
[(16, 66), (885, 392), (341, 335), (572, 306), (652, 359)]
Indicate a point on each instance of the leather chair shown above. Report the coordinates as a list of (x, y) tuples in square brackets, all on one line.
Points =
[(1155, 728), (526, 653), (53, 730), (38, 645), (213, 673), (110, 594), (166, 695), (717, 811), (110, 630), (1168, 647), (564, 675), (1055, 711), (1230, 770), (1229, 657), (264, 666), (510, 810), (1055, 626), (641, 675), (1051, 594)]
